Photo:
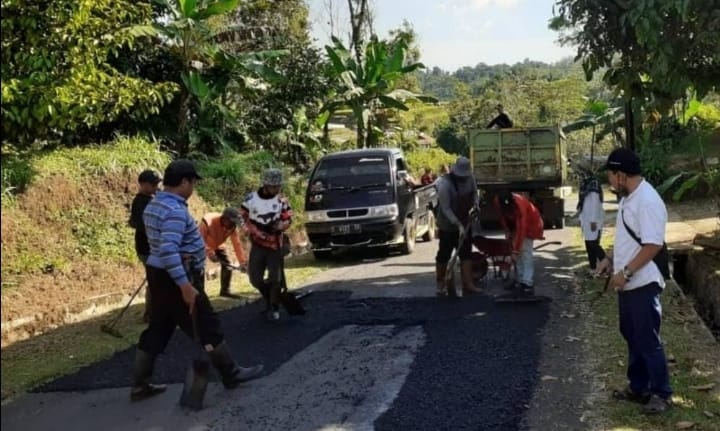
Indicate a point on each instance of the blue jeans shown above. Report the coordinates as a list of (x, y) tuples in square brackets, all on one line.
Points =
[(525, 263), (640, 317)]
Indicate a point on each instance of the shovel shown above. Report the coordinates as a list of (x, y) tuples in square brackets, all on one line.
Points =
[(289, 301), (196, 379)]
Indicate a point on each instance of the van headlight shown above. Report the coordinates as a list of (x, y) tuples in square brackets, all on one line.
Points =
[(316, 216), (384, 211)]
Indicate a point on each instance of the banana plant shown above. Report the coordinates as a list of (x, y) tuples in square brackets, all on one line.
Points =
[(368, 86)]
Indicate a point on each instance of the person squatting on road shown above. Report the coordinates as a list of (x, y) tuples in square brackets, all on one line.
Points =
[(267, 215), (639, 237), (457, 195), (175, 271), (591, 216), (148, 184), (523, 224), (215, 229)]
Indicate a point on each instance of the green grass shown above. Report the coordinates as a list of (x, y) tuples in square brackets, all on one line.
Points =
[(696, 361), (30, 363), (125, 154)]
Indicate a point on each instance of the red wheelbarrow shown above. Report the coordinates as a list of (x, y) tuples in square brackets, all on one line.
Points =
[(497, 251)]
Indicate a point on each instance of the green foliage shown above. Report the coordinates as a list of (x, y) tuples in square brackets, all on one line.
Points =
[(100, 236), (55, 73), (232, 175), (646, 47), (432, 158), (368, 86), (124, 155), (17, 173), (452, 139)]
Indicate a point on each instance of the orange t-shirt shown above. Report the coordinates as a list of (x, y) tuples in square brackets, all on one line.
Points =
[(215, 234)]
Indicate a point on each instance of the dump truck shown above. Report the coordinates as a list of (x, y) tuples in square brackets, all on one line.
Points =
[(529, 160)]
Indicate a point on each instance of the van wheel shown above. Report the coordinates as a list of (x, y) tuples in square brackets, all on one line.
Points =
[(409, 233), (322, 254), (430, 234)]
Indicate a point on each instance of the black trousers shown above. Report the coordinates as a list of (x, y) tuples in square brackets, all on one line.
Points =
[(448, 243), (594, 251), (260, 260), (225, 272), (170, 311)]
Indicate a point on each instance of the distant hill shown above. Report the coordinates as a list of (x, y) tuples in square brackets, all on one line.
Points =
[(440, 83)]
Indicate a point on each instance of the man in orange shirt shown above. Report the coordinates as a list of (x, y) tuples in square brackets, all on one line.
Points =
[(215, 229), (524, 223)]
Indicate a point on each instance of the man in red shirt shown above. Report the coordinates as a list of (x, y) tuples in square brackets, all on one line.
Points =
[(427, 177), (522, 220), (215, 229)]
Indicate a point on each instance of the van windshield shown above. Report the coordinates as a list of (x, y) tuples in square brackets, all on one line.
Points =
[(352, 173)]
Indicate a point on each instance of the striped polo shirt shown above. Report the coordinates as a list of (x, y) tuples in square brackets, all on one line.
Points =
[(172, 233)]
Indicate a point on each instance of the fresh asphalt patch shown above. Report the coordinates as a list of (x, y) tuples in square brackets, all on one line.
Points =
[(476, 368)]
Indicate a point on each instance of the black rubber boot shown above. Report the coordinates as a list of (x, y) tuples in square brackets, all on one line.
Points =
[(225, 277), (142, 388), (230, 372)]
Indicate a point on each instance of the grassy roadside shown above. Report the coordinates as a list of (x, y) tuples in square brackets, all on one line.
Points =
[(694, 360), (30, 363)]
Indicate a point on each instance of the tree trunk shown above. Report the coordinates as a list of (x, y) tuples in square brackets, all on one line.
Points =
[(592, 150), (183, 141), (629, 125)]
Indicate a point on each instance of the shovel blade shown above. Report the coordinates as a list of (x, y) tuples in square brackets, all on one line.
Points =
[(291, 304), (195, 386)]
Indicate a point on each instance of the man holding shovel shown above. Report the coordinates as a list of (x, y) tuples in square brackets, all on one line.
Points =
[(267, 216), (175, 270), (457, 195), (215, 229)]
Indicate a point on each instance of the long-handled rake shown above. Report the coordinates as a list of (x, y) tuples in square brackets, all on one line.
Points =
[(110, 328)]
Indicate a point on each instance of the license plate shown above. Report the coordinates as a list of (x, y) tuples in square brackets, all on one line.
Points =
[(345, 229)]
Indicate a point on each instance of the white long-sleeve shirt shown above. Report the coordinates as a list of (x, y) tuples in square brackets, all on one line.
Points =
[(592, 212)]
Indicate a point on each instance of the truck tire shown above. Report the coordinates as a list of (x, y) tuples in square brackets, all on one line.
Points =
[(409, 233), (322, 254), (430, 234)]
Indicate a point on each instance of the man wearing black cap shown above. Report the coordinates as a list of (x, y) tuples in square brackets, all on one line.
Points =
[(148, 183), (639, 280), (215, 229), (457, 195), (175, 270)]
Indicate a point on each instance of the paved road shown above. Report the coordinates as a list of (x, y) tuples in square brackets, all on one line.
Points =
[(377, 350)]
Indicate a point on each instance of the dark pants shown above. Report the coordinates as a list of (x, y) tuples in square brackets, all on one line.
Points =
[(143, 258), (260, 260), (225, 272), (448, 243), (169, 311), (594, 251), (640, 317)]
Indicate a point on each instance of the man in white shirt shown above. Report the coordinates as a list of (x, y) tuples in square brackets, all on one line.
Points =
[(639, 281)]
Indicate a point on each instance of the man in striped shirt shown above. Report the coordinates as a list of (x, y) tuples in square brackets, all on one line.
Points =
[(175, 271)]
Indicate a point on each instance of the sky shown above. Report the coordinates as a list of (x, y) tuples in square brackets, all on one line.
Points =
[(457, 33)]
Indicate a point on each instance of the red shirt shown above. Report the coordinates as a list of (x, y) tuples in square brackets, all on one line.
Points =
[(526, 223), (427, 179)]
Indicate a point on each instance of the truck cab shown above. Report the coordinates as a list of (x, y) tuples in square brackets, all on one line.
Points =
[(365, 198)]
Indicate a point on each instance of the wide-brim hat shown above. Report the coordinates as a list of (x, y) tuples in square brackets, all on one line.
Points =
[(462, 167)]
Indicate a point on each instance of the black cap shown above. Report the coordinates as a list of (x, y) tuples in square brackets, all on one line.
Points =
[(149, 176), (177, 170), (623, 160)]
